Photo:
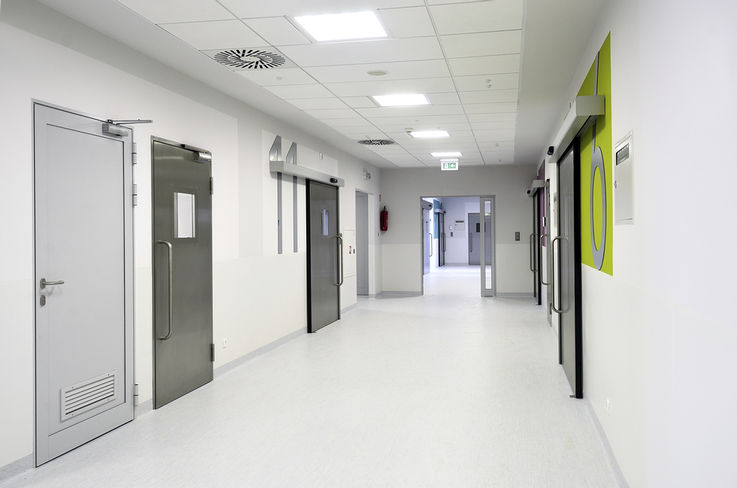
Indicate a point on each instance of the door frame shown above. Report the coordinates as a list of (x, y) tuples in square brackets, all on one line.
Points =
[(574, 147), (308, 247), (493, 235), (129, 278)]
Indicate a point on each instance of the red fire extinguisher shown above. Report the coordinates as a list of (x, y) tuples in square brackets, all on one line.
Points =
[(384, 219)]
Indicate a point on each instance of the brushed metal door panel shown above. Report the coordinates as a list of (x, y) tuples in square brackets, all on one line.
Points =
[(182, 338), (323, 268)]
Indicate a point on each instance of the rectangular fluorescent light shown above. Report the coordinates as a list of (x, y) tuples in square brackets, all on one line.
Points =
[(342, 27), (450, 154), (429, 134), (401, 100)]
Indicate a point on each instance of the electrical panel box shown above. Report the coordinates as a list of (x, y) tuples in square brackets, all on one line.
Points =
[(624, 181)]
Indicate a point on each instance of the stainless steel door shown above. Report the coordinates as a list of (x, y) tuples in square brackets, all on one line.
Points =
[(566, 249), (324, 256), (534, 244), (84, 280), (182, 270), (427, 250), (474, 239), (440, 216)]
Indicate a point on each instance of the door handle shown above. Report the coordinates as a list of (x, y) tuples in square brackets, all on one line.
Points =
[(541, 245), (432, 251), (169, 252), (43, 283), (532, 259), (555, 309), (339, 237)]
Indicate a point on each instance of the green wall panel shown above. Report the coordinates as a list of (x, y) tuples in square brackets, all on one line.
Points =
[(602, 204)]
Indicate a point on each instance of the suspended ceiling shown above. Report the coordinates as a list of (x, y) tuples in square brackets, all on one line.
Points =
[(467, 57)]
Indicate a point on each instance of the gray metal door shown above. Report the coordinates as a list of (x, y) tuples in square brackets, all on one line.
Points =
[(182, 269), (548, 280), (84, 279), (566, 249), (427, 250), (324, 256), (474, 239), (440, 216), (362, 244)]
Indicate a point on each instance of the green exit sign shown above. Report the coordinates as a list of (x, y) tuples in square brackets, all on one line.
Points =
[(449, 165)]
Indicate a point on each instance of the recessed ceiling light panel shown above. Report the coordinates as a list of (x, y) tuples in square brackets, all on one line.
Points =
[(429, 134), (342, 27), (449, 154), (401, 100)]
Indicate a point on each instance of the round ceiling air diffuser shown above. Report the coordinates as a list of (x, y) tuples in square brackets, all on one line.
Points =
[(376, 142), (254, 59)]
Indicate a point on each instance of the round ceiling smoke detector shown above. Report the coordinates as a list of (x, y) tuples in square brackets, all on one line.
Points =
[(254, 59), (377, 72), (376, 142)]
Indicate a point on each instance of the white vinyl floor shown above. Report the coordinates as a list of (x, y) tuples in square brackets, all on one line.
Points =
[(444, 390)]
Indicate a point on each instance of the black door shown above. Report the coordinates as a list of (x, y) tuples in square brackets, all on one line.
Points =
[(324, 256), (440, 216), (567, 252), (535, 248)]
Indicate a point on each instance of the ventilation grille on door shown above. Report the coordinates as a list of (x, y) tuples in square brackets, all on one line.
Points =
[(376, 142), (253, 59), (85, 396)]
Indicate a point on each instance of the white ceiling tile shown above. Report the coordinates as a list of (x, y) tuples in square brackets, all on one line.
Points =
[(421, 111), (354, 122), (372, 51), (502, 63), (369, 88), (407, 22), (478, 16), (490, 108), (486, 82), (491, 117), (221, 34), (318, 103), (337, 113), (300, 91), (359, 102), (165, 11), (489, 96), (437, 121), (485, 44), (277, 31), (494, 126), (261, 8), (286, 76), (405, 70), (450, 98)]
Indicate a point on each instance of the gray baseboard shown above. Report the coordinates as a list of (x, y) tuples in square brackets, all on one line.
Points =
[(399, 294), (514, 295), (611, 458), (348, 308), (221, 370), (16, 467)]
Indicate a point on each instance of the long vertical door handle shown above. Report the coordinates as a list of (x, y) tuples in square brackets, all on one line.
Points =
[(556, 310), (431, 245), (541, 246), (169, 252), (340, 257), (532, 259)]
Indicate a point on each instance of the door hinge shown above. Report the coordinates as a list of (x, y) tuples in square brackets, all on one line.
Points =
[(212, 353), (135, 195), (134, 153), (135, 394), (212, 186)]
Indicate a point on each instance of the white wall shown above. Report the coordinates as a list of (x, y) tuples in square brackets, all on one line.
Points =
[(401, 245), (660, 339), (251, 282)]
